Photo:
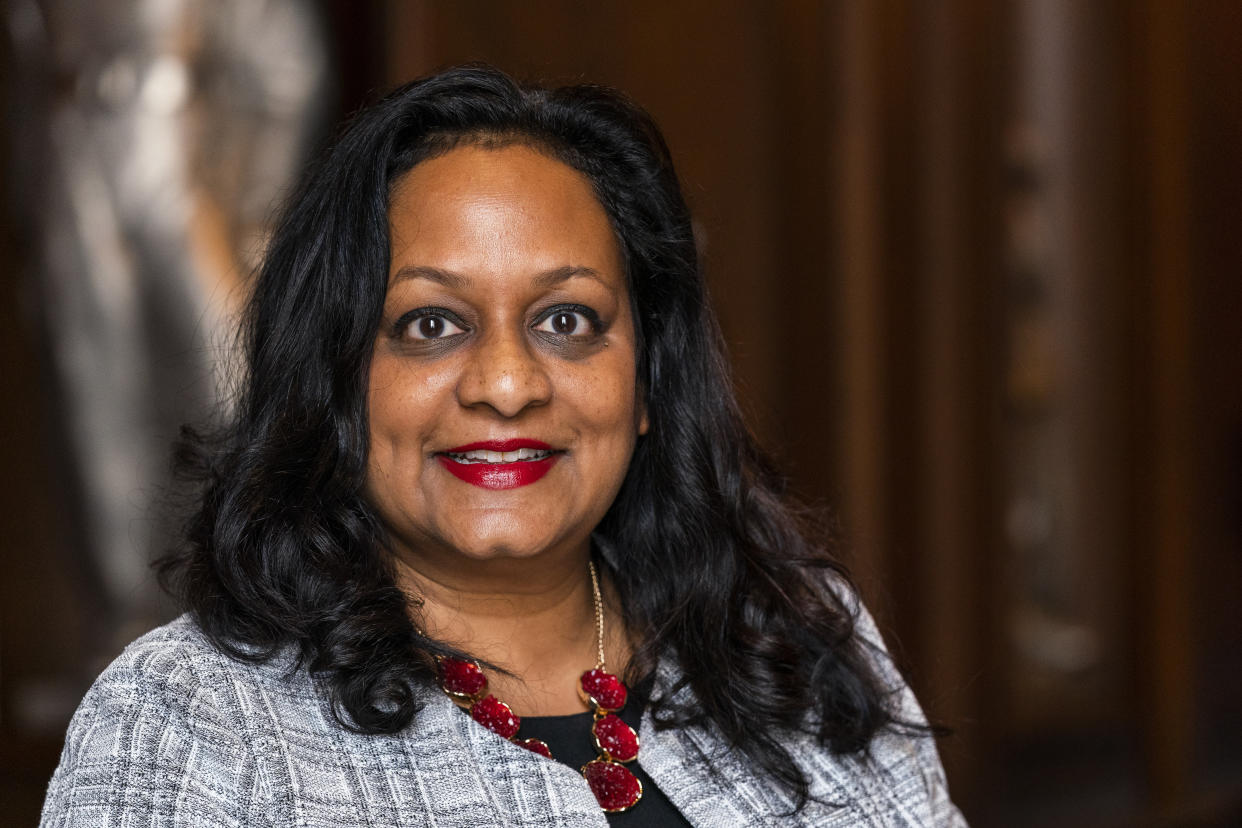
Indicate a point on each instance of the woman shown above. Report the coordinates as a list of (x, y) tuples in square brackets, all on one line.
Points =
[(486, 475)]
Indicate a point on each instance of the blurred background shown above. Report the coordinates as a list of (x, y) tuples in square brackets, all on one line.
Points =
[(977, 264)]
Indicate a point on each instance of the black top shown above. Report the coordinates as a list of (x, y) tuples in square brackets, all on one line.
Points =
[(569, 738)]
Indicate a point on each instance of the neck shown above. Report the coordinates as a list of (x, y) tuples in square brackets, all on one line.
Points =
[(533, 618)]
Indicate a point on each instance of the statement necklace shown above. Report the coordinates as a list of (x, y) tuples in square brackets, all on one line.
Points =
[(615, 787)]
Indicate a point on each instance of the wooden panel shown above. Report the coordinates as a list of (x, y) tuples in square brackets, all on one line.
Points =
[(1168, 704), (1213, 131), (859, 328), (955, 277)]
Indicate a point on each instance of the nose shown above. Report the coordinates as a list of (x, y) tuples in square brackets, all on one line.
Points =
[(503, 373)]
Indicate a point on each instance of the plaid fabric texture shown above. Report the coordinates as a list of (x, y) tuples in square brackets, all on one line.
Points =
[(175, 733)]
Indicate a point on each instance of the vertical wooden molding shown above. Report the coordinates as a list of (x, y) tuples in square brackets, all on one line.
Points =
[(859, 327), (944, 356), (408, 39), (1171, 662)]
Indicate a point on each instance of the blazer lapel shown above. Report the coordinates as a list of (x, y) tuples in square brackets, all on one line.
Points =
[(698, 772), (475, 777)]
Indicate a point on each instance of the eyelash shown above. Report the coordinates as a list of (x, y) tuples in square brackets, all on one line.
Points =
[(407, 319), (592, 318)]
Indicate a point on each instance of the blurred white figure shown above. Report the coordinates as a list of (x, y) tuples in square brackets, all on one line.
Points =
[(156, 137)]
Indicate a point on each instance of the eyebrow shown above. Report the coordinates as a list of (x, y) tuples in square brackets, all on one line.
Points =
[(449, 279)]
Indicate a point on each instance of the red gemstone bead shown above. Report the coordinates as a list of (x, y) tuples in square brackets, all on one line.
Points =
[(604, 690), (615, 739), (536, 746), (496, 716), (462, 678), (615, 788)]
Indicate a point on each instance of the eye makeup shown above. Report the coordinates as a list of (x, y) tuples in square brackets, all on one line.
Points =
[(592, 318), (401, 327)]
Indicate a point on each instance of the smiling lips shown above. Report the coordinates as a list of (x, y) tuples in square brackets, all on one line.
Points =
[(500, 464)]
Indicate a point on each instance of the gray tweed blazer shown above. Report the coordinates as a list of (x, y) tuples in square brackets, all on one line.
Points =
[(175, 733)]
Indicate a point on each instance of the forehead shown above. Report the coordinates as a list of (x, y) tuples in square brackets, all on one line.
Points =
[(512, 207)]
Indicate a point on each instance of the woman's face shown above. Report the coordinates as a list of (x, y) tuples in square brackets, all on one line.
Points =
[(503, 400)]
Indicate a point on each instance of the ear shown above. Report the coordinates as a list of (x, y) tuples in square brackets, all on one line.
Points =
[(643, 424)]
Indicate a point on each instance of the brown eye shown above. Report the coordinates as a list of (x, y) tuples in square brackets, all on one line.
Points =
[(565, 323), (432, 326)]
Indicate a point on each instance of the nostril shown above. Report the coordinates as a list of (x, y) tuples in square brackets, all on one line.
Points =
[(505, 377)]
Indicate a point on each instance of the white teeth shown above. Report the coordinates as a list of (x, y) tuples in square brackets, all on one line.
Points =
[(484, 456)]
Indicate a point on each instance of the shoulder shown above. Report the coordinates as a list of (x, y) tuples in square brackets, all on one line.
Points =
[(166, 668), (176, 652), (172, 676), (159, 733), (903, 754), (898, 779), (866, 634)]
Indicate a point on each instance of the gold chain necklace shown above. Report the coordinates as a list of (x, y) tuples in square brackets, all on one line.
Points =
[(615, 787)]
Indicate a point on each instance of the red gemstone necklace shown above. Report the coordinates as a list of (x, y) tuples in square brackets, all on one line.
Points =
[(615, 787)]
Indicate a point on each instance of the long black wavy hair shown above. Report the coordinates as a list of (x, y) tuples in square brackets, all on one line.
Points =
[(716, 572)]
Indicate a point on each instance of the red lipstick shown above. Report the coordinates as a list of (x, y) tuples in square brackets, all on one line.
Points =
[(509, 475)]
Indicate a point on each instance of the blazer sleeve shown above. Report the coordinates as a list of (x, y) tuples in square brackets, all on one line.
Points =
[(151, 744)]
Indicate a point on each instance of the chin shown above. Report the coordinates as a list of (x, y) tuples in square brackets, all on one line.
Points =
[(490, 547), (499, 551), (497, 534)]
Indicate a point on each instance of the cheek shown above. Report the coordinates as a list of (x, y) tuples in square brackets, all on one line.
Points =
[(402, 400), (612, 400), (385, 408), (400, 414)]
